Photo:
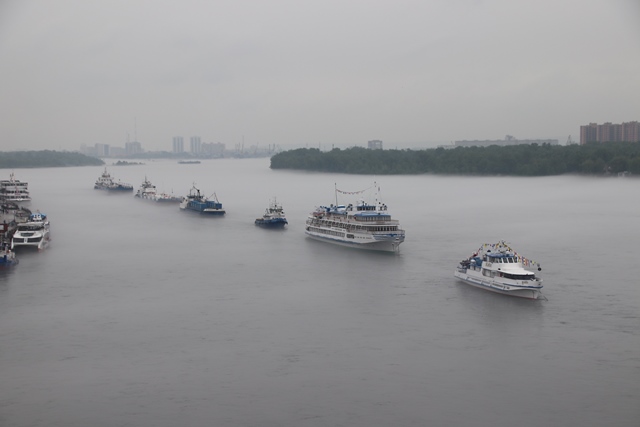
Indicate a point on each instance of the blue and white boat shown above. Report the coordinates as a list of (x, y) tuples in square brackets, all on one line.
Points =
[(273, 217), (363, 225), (106, 182), (497, 268), (196, 202), (7, 257)]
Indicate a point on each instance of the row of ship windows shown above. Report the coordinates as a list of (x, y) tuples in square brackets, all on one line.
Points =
[(330, 232), (489, 273), (504, 260), (373, 218), (360, 227)]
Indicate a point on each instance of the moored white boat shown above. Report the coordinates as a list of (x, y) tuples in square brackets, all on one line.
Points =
[(498, 268), (363, 225), (33, 233)]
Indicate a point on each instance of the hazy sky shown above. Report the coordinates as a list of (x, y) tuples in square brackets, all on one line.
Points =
[(298, 73)]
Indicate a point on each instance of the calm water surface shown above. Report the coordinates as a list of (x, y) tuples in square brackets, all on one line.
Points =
[(141, 315)]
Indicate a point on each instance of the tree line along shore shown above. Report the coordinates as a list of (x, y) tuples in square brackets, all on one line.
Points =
[(516, 160), (45, 159)]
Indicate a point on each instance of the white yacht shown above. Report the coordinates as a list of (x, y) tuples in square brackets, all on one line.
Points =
[(363, 225), (497, 268), (34, 233)]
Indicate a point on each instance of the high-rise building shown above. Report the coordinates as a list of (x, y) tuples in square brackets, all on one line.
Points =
[(102, 150), (588, 133), (610, 132), (374, 144), (133, 147), (213, 149), (631, 131), (178, 144), (195, 144)]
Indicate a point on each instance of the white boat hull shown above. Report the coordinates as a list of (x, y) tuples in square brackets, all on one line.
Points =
[(387, 243), (34, 240), (492, 285)]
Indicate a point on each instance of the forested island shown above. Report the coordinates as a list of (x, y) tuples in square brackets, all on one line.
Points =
[(45, 159), (515, 160)]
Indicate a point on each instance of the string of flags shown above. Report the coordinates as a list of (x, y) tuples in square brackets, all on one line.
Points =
[(353, 192), (502, 246)]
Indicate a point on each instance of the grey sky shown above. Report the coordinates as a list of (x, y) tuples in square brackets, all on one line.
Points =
[(299, 73)]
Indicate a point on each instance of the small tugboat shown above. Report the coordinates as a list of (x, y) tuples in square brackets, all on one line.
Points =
[(33, 233), (196, 202), (273, 216), (105, 182), (498, 268)]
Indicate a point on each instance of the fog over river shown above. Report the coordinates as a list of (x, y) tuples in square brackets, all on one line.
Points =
[(141, 315)]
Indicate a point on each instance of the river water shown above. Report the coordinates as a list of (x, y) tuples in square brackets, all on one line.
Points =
[(142, 315)]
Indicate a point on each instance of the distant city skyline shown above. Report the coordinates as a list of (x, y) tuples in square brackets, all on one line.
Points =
[(411, 74), (610, 132)]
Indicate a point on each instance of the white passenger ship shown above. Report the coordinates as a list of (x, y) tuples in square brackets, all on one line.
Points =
[(363, 225), (498, 268), (13, 190)]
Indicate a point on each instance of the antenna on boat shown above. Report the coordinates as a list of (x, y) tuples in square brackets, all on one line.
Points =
[(335, 187)]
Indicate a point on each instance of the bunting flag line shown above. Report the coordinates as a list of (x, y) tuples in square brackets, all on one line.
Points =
[(503, 245), (353, 192)]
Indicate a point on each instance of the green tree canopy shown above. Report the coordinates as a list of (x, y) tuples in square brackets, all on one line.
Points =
[(517, 160), (44, 159)]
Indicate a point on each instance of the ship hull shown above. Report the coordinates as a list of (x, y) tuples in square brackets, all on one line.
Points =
[(271, 223), (118, 189), (37, 241), (206, 211), (481, 282), (387, 245)]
